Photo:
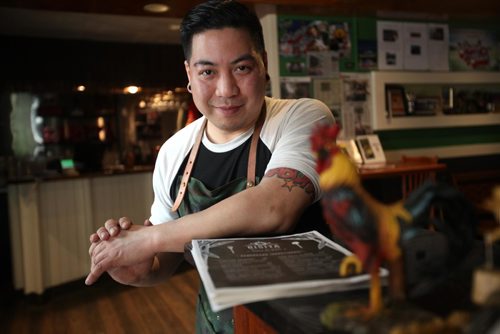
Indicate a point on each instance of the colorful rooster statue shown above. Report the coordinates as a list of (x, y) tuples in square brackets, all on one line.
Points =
[(374, 231), (369, 228)]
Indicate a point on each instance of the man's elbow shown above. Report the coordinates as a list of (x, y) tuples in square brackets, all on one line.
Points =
[(282, 221)]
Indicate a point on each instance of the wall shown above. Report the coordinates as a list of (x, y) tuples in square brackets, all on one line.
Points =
[(363, 31), (57, 65), (42, 63)]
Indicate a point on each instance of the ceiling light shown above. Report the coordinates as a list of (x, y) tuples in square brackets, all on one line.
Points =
[(156, 8), (131, 89)]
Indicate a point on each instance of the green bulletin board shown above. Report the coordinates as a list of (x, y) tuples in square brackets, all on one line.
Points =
[(303, 41)]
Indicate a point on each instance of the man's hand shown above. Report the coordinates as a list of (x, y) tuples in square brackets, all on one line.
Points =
[(112, 228), (128, 275), (123, 274), (130, 248)]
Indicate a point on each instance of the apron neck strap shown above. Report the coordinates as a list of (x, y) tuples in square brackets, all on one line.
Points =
[(252, 158), (252, 155), (189, 167)]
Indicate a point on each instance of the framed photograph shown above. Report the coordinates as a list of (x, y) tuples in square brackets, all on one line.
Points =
[(395, 101), (427, 105), (371, 150), (349, 147), (390, 41)]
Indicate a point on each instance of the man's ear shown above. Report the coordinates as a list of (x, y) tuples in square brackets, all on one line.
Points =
[(187, 68)]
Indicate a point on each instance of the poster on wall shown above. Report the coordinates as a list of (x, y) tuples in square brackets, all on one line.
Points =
[(295, 87), (438, 46), (367, 54), (328, 90), (415, 40), (322, 63), (473, 50), (302, 42), (356, 110), (390, 45)]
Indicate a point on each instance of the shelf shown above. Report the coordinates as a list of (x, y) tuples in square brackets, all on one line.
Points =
[(439, 121), (436, 83)]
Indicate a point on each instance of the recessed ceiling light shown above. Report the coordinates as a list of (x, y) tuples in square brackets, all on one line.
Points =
[(131, 89), (156, 8)]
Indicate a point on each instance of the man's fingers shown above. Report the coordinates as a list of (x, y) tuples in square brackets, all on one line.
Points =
[(112, 227), (103, 233), (91, 248), (94, 275), (103, 256), (147, 223), (125, 223), (99, 263), (94, 238)]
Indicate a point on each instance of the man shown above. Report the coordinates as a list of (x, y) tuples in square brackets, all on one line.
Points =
[(250, 172)]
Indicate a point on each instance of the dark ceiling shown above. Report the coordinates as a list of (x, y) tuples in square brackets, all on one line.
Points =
[(456, 8), (115, 7), (126, 21)]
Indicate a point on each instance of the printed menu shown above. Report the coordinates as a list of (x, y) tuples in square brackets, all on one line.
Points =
[(243, 270)]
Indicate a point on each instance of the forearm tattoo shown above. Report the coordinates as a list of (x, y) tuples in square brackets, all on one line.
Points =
[(292, 179)]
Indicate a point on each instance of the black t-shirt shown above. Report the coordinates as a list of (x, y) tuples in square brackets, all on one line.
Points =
[(216, 169)]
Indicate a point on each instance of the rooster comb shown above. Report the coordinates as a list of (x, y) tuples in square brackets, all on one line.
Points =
[(324, 144), (324, 136)]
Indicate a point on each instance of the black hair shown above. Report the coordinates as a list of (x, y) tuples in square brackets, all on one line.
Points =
[(219, 14)]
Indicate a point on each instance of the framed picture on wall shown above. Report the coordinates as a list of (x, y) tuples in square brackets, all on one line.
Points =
[(395, 101)]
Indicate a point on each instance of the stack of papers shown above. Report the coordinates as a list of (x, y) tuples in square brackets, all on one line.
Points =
[(243, 270)]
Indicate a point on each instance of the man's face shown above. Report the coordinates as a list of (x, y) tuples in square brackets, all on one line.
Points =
[(228, 81)]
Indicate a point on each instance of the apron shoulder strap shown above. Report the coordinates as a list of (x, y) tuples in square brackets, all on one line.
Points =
[(189, 168)]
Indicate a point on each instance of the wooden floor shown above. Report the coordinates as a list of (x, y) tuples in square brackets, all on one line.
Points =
[(107, 307)]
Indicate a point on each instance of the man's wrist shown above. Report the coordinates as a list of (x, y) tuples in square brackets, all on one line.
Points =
[(159, 241)]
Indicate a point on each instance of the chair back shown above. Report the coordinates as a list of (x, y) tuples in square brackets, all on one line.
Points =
[(413, 180)]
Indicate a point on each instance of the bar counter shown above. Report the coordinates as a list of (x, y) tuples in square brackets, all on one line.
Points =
[(51, 219), (55, 176)]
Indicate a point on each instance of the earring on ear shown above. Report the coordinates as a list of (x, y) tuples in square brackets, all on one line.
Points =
[(189, 87)]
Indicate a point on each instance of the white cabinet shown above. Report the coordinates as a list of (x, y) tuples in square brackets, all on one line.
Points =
[(434, 88)]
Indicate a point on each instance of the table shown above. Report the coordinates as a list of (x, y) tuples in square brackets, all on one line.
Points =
[(288, 315), (397, 169), (300, 315)]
